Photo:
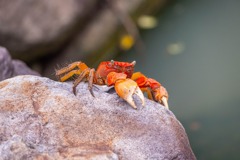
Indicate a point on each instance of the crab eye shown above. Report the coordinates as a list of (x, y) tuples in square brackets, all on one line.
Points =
[(133, 63), (112, 62)]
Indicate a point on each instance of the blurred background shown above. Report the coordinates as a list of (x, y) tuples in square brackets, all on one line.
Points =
[(190, 46)]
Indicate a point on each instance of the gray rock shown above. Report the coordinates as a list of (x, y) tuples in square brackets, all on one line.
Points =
[(6, 66), (30, 28), (43, 119), (10, 68), (20, 68)]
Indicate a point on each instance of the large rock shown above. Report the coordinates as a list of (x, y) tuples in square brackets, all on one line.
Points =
[(30, 28), (10, 68), (43, 119)]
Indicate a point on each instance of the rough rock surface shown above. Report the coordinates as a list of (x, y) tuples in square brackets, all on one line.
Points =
[(43, 119), (10, 68)]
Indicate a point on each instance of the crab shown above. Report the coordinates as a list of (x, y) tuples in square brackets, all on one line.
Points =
[(118, 74)]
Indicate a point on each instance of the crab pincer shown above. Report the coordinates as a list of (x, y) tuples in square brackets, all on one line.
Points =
[(125, 87), (160, 95), (153, 88)]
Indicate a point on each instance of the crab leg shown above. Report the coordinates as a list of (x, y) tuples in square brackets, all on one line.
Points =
[(87, 73), (77, 68), (125, 87), (90, 81), (69, 75), (70, 70)]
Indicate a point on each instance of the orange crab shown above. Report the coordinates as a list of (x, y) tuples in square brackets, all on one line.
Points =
[(119, 74)]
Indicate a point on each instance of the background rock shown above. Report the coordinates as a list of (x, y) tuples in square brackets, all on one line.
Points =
[(33, 28), (10, 68), (43, 119), (44, 33)]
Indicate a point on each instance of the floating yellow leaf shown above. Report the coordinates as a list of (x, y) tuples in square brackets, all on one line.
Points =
[(147, 22), (176, 48), (126, 42)]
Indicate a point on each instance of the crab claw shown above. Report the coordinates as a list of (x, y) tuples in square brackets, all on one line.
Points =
[(161, 95), (125, 88)]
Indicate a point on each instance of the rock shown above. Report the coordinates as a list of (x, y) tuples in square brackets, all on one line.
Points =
[(6, 66), (33, 28), (17, 148), (10, 68), (20, 68), (42, 119)]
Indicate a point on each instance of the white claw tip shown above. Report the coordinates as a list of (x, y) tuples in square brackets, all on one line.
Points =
[(139, 93), (165, 102), (129, 99), (133, 63)]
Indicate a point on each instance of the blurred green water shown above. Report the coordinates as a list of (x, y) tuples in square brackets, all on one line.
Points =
[(195, 53)]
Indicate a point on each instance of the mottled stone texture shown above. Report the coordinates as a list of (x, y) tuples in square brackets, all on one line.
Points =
[(10, 68), (43, 119)]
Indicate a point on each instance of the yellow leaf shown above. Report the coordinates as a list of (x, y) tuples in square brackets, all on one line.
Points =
[(126, 42), (147, 22)]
